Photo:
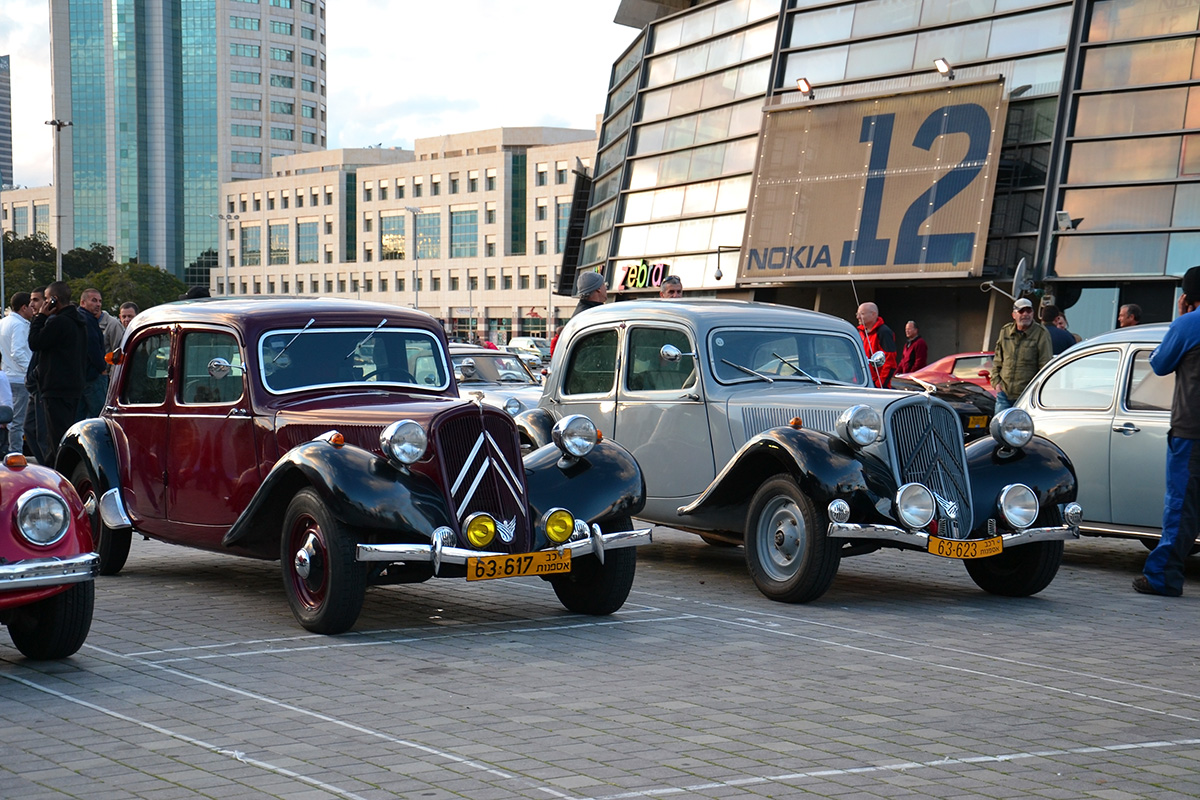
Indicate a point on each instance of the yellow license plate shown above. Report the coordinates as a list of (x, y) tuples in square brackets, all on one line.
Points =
[(979, 421), (965, 548), (544, 562)]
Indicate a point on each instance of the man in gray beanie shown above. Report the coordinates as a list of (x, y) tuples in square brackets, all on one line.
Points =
[(591, 289), (1179, 352)]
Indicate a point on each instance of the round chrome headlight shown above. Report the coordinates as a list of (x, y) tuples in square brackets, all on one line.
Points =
[(915, 506), (1018, 505), (575, 435), (404, 441), (1012, 427), (859, 425), (42, 516), (559, 525), (513, 406)]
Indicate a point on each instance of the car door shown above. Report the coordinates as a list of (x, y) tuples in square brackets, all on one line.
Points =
[(1138, 450), (1073, 404), (588, 384), (661, 414), (139, 417), (213, 465)]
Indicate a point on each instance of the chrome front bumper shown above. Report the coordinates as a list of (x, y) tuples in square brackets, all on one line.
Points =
[(595, 543), (38, 572), (920, 539)]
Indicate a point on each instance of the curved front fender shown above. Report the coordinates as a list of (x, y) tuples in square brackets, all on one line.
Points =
[(604, 484), (1040, 465), (363, 491), (823, 466), (535, 425), (90, 441)]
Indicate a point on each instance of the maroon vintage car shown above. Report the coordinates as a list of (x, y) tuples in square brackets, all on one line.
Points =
[(47, 565), (329, 434)]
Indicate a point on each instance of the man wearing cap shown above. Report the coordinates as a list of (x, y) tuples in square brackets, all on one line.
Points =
[(1179, 352), (592, 291), (671, 286), (1022, 348)]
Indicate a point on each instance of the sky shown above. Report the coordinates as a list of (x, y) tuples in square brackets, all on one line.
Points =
[(397, 70)]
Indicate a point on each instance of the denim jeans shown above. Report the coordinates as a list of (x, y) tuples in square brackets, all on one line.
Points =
[(1181, 518), (16, 428), (1002, 402)]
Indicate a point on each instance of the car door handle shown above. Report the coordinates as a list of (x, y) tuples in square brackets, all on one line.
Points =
[(237, 411), (1126, 428)]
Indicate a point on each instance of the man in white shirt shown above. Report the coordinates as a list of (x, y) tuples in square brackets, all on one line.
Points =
[(14, 351)]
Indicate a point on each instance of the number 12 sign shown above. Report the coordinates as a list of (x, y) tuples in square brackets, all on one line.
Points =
[(889, 186)]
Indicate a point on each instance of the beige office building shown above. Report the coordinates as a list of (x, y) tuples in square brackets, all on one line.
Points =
[(28, 211), (489, 211)]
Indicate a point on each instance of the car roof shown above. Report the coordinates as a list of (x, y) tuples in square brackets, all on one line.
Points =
[(253, 315), (1152, 332), (476, 350), (706, 314)]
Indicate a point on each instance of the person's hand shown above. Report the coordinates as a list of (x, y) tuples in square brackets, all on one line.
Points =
[(1186, 304)]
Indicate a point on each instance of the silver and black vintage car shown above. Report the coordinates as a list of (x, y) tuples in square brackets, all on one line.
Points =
[(757, 424)]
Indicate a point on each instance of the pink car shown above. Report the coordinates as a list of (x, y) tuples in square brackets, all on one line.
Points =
[(974, 368)]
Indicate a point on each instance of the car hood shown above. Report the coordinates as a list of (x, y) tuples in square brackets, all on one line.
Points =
[(359, 417), (756, 407), (497, 394)]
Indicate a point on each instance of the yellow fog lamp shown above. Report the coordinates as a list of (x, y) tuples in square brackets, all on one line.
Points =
[(481, 529), (560, 524)]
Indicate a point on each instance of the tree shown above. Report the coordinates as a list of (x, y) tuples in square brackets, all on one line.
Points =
[(25, 275), (35, 248), (81, 262), (144, 284)]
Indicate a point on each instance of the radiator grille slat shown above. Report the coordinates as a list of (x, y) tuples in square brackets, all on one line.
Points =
[(757, 420), (927, 448)]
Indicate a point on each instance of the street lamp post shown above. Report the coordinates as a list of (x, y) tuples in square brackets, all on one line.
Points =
[(225, 258), (416, 259), (58, 124)]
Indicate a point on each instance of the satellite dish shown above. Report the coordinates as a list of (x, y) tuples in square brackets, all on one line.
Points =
[(1020, 285)]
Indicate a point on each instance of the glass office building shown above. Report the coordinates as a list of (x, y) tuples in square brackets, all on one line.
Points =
[(810, 152), (6, 151), (167, 100)]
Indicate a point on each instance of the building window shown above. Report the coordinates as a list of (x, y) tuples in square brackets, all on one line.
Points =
[(342, 285), (399, 190), (308, 85), (282, 28), (308, 33), (282, 81), (473, 283), (473, 181), (282, 54), (383, 191), (562, 221), (464, 234), (417, 189), (382, 285), (490, 180), (244, 23), (308, 59), (282, 107), (306, 244), (283, 201), (243, 157), (308, 112), (489, 247), (250, 251), (560, 172), (435, 284), (241, 76), (541, 281), (543, 174), (328, 198), (279, 244), (429, 235), (299, 199), (523, 282), (367, 256), (454, 183), (328, 228), (489, 214), (283, 134), (539, 213), (506, 282), (366, 224), (391, 236), (366, 193), (282, 3), (245, 104), (539, 245), (489, 283), (308, 137), (253, 131), (307, 7), (435, 188), (454, 283), (244, 50)]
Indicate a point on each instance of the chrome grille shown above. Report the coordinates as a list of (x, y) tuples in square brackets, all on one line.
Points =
[(927, 448), (757, 420), (481, 463)]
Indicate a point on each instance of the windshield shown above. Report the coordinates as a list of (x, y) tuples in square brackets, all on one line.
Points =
[(498, 368), (319, 357), (748, 354)]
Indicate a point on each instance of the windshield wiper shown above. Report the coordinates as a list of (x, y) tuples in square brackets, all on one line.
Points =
[(749, 371), (797, 369), (382, 322), (307, 325)]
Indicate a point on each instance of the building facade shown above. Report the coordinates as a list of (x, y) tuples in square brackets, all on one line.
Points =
[(28, 212), (469, 227), (6, 146), (810, 152), (168, 100)]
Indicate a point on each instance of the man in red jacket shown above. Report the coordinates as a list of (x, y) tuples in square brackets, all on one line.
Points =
[(877, 337)]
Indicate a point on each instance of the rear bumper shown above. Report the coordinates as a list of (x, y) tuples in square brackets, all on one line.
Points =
[(40, 572)]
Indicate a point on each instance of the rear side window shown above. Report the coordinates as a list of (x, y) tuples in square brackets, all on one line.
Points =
[(593, 364), (145, 371), (645, 370), (1147, 391), (212, 368), (1084, 383)]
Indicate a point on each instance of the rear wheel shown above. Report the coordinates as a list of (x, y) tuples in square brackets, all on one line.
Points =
[(325, 585), (112, 545), (1019, 572), (788, 551), (55, 627), (594, 588)]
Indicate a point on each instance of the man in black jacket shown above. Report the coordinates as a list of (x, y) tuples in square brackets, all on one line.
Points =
[(57, 335)]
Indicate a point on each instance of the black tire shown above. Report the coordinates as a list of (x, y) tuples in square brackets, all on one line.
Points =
[(111, 544), (1019, 572), (594, 588), (329, 597), (788, 551), (55, 627)]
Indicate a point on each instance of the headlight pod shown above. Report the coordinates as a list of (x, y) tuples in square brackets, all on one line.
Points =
[(480, 530), (1012, 427), (42, 516), (513, 406), (1018, 505), (559, 524), (575, 435), (915, 506), (859, 425), (404, 441)]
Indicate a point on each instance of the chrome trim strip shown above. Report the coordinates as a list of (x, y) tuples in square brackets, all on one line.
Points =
[(847, 530), (500, 454), (466, 464), (459, 555), (463, 505), (112, 510), (32, 573)]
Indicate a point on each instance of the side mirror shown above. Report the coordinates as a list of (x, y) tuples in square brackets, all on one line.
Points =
[(219, 368), (672, 354), (467, 368), (877, 358), (983, 373), (115, 357)]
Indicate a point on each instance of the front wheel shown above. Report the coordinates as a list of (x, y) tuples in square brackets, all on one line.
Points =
[(788, 551), (594, 588), (1019, 572), (55, 627), (111, 545), (325, 585)]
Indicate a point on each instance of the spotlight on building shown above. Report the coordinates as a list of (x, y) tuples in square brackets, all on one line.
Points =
[(805, 88), (943, 67), (1065, 222)]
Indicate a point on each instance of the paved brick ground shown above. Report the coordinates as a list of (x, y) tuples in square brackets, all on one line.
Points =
[(903, 681)]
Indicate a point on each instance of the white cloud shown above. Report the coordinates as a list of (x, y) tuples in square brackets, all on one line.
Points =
[(396, 71)]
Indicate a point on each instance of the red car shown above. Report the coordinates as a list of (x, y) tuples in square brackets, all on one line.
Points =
[(329, 434), (47, 567), (973, 368)]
